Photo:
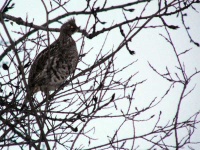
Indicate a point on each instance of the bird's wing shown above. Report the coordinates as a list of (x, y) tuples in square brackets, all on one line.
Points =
[(40, 64)]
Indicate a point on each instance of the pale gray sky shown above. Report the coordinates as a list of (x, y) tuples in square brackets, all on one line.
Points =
[(149, 47)]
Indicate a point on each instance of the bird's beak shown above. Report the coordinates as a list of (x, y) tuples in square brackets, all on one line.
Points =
[(78, 29)]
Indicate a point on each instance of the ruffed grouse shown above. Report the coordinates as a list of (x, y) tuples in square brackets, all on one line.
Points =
[(55, 63)]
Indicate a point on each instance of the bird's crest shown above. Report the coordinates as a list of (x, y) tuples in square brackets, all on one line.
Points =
[(71, 21)]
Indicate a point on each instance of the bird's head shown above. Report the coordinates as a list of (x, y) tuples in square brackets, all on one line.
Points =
[(69, 27)]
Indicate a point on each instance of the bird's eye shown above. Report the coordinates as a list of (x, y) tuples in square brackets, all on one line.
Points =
[(72, 28)]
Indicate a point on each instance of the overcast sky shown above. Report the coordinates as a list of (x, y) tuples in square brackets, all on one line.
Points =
[(149, 46)]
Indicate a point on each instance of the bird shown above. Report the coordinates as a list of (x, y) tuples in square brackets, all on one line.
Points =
[(55, 63)]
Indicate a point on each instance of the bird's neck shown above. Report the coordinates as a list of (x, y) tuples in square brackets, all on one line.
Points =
[(64, 35), (65, 39)]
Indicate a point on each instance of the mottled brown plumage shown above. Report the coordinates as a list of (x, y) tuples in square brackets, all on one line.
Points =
[(55, 63)]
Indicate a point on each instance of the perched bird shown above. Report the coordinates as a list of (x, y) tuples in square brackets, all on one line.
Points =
[(55, 63)]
